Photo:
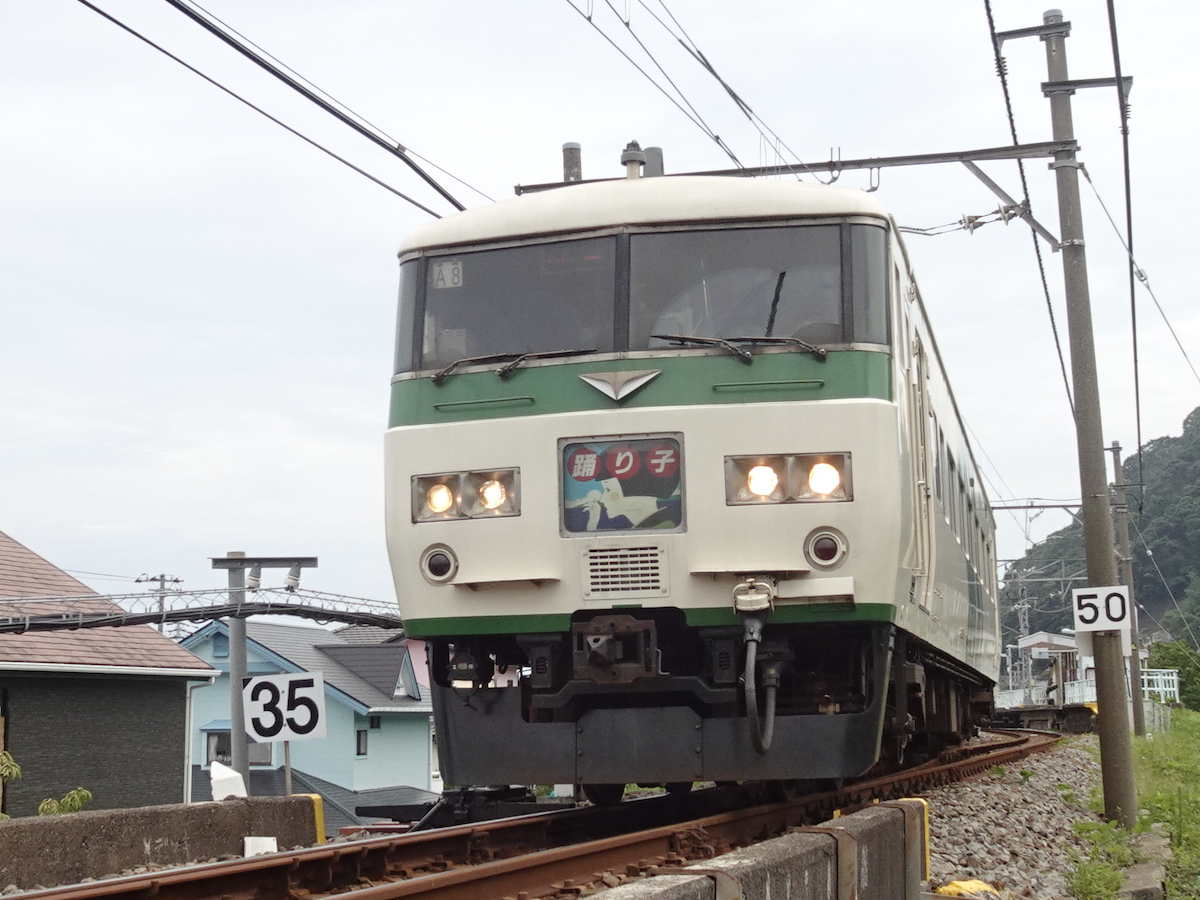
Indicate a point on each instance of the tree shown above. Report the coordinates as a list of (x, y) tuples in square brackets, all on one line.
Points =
[(1178, 655)]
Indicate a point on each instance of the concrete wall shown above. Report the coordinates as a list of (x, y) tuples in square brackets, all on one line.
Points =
[(121, 738), (878, 853), (53, 850)]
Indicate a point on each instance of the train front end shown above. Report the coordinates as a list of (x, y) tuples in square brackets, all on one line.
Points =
[(648, 497)]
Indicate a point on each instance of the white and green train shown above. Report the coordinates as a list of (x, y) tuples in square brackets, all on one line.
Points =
[(677, 489)]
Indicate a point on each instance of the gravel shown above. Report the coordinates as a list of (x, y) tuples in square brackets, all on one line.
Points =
[(1014, 829)]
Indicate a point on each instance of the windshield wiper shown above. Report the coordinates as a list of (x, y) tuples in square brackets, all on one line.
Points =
[(743, 354), (506, 370), (819, 352), (439, 377)]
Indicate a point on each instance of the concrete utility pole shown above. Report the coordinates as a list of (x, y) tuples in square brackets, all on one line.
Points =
[(1116, 749), (163, 581), (239, 752), (1125, 564), (237, 563)]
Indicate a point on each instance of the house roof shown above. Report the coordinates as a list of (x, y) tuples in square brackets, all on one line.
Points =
[(375, 677), (134, 649)]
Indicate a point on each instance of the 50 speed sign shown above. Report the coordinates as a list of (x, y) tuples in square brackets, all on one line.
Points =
[(285, 707), (1101, 609)]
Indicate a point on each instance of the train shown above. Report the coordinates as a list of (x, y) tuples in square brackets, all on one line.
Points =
[(677, 490)]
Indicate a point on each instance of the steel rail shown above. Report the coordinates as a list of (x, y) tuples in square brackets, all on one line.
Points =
[(534, 855)]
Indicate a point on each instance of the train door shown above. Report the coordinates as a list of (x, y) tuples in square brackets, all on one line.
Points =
[(918, 400)]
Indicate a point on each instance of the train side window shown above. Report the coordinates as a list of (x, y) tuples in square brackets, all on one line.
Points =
[(409, 288), (962, 509), (939, 451), (868, 284), (951, 501)]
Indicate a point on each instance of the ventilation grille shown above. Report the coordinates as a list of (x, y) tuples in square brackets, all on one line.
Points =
[(617, 572)]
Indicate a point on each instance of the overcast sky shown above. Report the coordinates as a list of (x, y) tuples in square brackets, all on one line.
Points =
[(197, 311)]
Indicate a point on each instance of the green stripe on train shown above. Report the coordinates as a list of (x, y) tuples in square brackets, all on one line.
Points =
[(422, 629), (685, 381)]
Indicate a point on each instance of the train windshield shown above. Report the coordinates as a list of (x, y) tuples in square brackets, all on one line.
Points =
[(821, 284)]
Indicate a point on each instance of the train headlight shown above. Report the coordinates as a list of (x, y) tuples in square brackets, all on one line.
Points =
[(466, 495), (824, 479), (762, 481), (798, 478), (492, 494), (819, 477), (439, 499), (755, 479), (489, 494)]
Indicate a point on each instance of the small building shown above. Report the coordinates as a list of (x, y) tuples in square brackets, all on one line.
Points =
[(99, 708), (379, 740)]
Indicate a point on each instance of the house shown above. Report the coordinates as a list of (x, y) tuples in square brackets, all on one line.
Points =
[(100, 708), (379, 741)]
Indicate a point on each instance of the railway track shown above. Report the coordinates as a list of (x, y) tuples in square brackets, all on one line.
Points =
[(559, 853)]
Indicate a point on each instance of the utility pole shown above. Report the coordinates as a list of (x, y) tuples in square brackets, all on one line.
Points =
[(236, 562), (163, 581), (1125, 564), (239, 752), (1116, 749)]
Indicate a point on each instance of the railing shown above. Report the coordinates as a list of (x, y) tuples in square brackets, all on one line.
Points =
[(1157, 684)]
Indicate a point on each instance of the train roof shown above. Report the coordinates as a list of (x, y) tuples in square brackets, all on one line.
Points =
[(635, 201)]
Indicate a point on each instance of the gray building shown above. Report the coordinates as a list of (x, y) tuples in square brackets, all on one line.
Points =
[(101, 708)]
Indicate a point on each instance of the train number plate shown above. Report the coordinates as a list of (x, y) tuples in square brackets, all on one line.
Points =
[(622, 484)]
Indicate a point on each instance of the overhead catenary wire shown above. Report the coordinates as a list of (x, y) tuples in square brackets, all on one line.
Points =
[(1123, 103), (693, 117), (1141, 276), (257, 109), (1002, 72), (1163, 579), (361, 118), (768, 135), (265, 64)]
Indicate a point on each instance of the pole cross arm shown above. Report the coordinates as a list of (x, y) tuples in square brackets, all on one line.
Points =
[(265, 562), (1075, 84), (1022, 209)]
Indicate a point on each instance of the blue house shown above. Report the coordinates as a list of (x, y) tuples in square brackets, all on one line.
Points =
[(380, 735)]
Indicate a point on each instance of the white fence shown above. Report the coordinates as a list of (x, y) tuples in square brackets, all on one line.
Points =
[(1157, 684)]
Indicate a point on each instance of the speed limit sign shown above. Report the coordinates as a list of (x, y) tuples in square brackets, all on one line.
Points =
[(1101, 609), (288, 707)]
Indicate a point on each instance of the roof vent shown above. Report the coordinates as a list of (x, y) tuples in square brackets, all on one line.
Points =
[(633, 159)]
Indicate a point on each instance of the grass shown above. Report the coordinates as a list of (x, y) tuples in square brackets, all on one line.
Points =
[(1167, 768)]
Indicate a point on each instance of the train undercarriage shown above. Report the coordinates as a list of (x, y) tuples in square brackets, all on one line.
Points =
[(640, 696)]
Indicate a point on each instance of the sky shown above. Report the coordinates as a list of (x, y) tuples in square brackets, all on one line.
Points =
[(196, 306)]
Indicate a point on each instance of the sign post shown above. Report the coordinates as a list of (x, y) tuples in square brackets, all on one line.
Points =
[(286, 708)]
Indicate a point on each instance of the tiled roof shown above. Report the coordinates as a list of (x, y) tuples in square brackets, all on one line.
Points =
[(25, 574), (309, 650)]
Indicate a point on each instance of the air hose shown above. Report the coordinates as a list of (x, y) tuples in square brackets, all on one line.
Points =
[(760, 734)]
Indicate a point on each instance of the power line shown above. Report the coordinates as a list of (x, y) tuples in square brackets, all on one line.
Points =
[(694, 118), (361, 118), (1002, 71), (393, 148), (258, 110), (1162, 578), (1123, 102), (693, 50), (1145, 280)]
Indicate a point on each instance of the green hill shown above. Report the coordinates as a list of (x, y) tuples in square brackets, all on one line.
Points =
[(1164, 534)]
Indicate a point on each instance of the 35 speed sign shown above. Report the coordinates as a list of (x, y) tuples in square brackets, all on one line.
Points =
[(285, 707)]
